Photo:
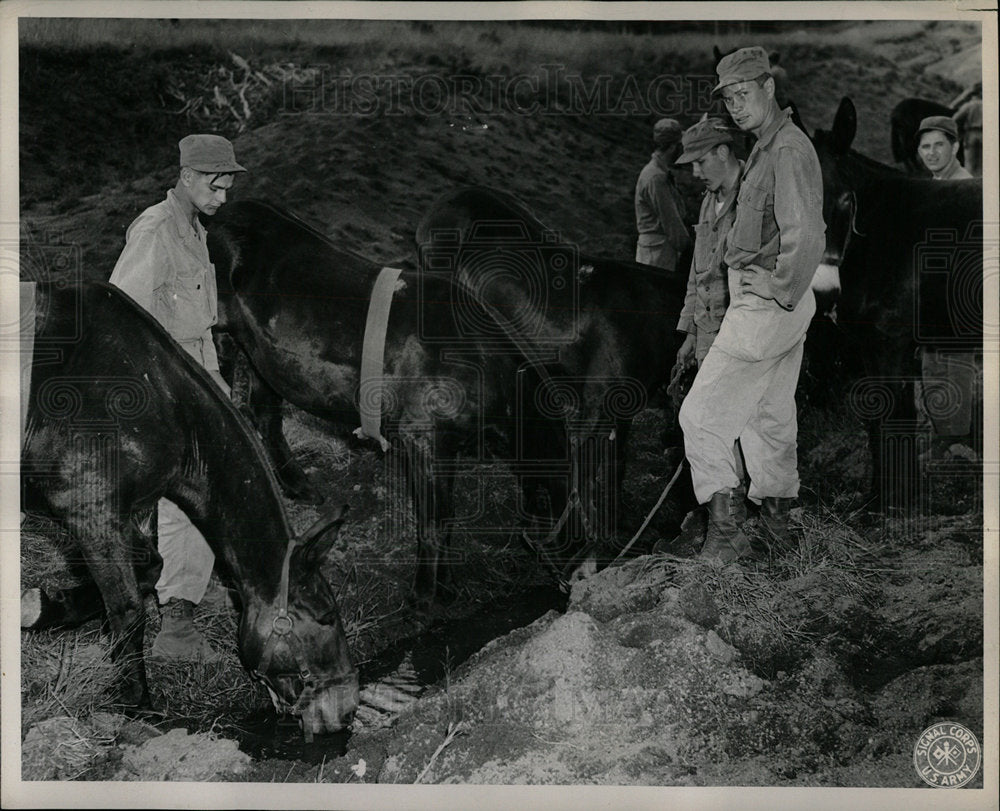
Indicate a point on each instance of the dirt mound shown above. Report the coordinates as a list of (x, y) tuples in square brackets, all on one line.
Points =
[(677, 672), (179, 755)]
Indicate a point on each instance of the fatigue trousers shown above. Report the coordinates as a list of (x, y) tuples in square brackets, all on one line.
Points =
[(187, 558), (703, 341), (745, 390)]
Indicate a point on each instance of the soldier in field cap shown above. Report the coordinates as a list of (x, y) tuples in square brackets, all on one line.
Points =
[(944, 372), (165, 268), (708, 149), (745, 387), (937, 146), (659, 208)]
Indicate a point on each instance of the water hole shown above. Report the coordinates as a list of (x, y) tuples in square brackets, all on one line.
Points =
[(399, 675)]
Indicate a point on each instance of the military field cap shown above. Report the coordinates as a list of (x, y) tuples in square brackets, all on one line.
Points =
[(208, 153), (701, 137), (941, 123), (666, 131), (741, 66)]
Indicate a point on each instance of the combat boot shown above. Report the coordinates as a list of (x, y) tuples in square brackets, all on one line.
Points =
[(178, 639), (724, 538), (774, 523)]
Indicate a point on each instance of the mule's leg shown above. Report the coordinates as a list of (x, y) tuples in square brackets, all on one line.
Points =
[(431, 491), (262, 405), (543, 470), (104, 540)]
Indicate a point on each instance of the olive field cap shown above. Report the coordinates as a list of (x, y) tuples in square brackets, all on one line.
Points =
[(940, 123), (742, 66), (208, 153), (701, 137), (666, 131)]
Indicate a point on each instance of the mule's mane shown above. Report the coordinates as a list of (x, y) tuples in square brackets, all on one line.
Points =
[(235, 420)]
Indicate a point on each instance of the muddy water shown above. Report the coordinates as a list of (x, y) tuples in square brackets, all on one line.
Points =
[(400, 673)]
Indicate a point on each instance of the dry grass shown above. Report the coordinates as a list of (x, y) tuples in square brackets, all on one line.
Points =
[(65, 674)]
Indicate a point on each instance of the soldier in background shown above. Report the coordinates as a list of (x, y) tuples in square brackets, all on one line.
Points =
[(659, 208)]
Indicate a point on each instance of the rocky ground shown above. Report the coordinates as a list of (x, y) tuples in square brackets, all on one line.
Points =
[(819, 668)]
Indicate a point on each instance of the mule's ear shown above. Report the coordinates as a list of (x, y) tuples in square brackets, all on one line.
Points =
[(845, 125), (318, 539), (718, 54)]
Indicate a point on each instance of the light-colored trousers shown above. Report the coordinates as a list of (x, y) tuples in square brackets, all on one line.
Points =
[(745, 390), (187, 558), (703, 341)]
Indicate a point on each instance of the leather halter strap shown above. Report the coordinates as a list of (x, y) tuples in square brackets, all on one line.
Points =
[(283, 630)]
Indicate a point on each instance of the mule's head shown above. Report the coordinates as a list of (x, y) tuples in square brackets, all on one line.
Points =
[(297, 646)]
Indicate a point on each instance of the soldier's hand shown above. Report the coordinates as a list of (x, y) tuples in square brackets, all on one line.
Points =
[(685, 355), (756, 280)]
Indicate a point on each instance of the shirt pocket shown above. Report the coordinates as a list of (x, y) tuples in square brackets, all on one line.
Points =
[(751, 204), (190, 302)]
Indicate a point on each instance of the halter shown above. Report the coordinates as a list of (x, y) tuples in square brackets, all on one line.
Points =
[(283, 630)]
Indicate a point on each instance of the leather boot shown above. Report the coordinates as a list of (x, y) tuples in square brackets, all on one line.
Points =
[(774, 523), (178, 639), (724, 539)]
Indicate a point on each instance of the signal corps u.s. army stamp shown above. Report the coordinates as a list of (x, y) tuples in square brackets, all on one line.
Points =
[(947, 755)]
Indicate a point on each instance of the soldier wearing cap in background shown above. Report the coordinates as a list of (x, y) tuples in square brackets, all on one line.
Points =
[(166, 269), (659, 208), (937, 147), (745, 388)]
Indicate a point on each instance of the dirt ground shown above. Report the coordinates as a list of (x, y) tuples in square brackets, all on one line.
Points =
[(819, 668)]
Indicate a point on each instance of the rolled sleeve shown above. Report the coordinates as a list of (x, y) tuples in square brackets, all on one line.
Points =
[(798, 212)]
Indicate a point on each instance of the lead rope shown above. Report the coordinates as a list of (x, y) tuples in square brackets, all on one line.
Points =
[(656, 507)]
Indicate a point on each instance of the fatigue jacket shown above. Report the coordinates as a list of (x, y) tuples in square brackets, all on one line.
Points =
[(660, 212), (956, 172), (779, 211), (708, 290), (166, 269)]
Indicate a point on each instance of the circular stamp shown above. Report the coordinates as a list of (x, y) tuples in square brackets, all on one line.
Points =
[(947, 755)]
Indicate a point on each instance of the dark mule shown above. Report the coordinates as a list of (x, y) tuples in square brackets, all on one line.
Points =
[(612, 339), (297, 306), (118, 417), (904, 120), (910, 277)]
